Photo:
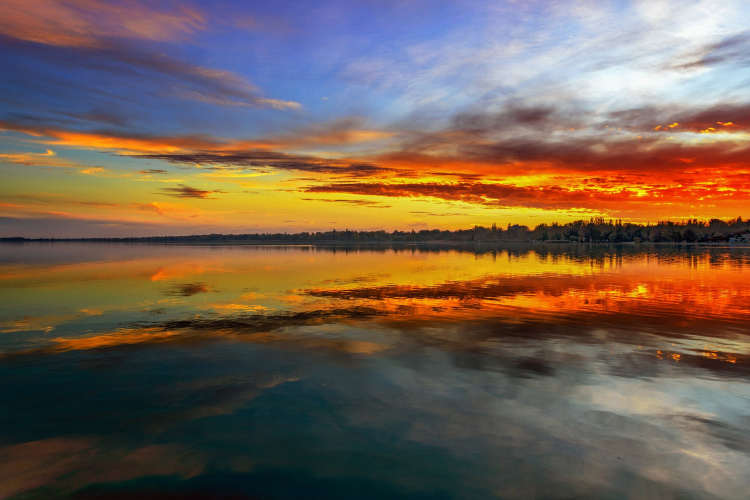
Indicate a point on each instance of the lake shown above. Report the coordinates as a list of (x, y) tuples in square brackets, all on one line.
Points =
[(517, 372)]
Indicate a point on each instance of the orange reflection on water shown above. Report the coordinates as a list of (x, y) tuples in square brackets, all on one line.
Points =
[(662, 290), (656, 291)]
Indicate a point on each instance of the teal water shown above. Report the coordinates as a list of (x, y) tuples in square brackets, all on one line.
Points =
[(137, 371)]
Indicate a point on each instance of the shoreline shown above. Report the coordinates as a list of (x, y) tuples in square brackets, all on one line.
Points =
[(328, 243)]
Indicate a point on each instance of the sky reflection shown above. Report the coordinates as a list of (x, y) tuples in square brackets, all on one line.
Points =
[(524, 372)]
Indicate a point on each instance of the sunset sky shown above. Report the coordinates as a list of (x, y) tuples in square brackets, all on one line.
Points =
[(129, 118)]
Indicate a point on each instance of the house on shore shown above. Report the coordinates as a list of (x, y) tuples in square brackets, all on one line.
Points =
[(743, 237)]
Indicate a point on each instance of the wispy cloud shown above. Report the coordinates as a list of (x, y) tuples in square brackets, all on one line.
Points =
[(89, 23), (358, 202), (26, 158), (734, 49), (276, 160), (154, 71), (93, 170), (47, 159), (123, 43), (211, 148)]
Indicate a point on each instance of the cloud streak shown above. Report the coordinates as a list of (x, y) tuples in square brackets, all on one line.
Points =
[(362, 203), (187, 192), (87, 23), (156, 72), (272, 159), (730, 50)]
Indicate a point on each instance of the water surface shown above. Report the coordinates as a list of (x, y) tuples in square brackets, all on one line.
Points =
[(558, 371)]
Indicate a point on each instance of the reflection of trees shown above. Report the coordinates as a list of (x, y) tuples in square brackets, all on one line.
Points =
[(597, 255)]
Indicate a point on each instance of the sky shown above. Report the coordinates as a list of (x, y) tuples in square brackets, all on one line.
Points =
[(139, 118)]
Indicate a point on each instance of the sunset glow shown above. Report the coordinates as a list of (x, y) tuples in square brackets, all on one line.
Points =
[(166, 118)]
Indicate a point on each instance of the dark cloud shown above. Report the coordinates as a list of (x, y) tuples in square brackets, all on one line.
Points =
[(515, 116), (735, 50), (520, 140), (186, 192), (153, 171), (115, 116), (647, 119), (97, 204), (281, 161)]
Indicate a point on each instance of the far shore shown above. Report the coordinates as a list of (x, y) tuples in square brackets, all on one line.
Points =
[(328, 243)]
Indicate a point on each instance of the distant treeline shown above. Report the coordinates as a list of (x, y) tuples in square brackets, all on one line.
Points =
[(596, 229)]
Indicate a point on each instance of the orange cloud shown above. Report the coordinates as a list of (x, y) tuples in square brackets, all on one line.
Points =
[(23, 156), (120, 142), (88, 23), (597, 194), (341, 132), (30, 158), (93, 170), (489, 159)]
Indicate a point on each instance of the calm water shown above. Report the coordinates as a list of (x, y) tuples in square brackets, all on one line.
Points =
[(294, 372)]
